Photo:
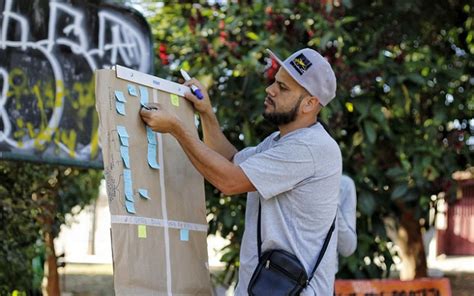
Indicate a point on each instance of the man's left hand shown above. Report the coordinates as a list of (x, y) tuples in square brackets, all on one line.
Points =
[(159, 119)]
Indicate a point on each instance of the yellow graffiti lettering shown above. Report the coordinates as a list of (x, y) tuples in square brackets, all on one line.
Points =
[(31, 130), (49, 89), (44, 119), (20, 123), (69, 139), (58, 103), (19, 134), (43, 138), (34, 101), (85, 97)]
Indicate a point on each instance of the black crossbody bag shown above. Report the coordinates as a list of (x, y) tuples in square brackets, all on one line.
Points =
[(279, 272)]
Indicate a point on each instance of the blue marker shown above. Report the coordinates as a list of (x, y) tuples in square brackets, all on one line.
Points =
[(194, 88)]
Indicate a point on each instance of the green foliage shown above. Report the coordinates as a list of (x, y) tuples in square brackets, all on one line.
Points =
[(31, 195), (403, 111)]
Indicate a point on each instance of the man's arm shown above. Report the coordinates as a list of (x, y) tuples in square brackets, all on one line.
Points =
[(230, 179), (346, 218), (212, 133)]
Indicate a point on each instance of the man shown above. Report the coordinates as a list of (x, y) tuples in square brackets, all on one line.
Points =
[(294, 172), (346, 217)]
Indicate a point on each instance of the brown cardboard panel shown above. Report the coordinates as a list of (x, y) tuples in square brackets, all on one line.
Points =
[(161, 263)]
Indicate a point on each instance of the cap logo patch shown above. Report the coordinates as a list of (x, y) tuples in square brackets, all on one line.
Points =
[(301, 64)]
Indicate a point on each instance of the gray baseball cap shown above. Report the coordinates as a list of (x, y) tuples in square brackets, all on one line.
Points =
[(310, 70)]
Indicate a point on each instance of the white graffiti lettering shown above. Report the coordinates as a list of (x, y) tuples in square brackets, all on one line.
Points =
[(118, 40)]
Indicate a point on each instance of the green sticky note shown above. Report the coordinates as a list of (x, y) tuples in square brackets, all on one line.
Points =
[(141, 231), (175, 100)]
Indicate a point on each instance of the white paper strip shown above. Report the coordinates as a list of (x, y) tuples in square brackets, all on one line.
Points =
[(119, 219), (151, 81)]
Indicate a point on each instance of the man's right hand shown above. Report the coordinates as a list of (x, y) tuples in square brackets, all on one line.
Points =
[(202, 106)]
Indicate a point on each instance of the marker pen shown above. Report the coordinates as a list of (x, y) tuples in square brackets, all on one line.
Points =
[(194, 88), (149, 108)]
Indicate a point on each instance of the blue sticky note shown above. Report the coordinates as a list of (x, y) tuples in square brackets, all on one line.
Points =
[(132, 90), (123, 135), (122, 131), (152, 156), (125, 157), (184, 235), (120, 97), (120, 107), (128, 186), (143, 95), (130, 207), (124, 141), (151, 136), (143, 193), (127, 175), (129, 193)]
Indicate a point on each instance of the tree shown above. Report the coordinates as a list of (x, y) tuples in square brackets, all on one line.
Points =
[(34, 200), (402, 116)]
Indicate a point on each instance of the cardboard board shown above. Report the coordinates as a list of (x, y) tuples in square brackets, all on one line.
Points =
[(161, 248)]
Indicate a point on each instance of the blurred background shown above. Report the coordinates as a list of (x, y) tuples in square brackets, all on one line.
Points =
[(403, 118)]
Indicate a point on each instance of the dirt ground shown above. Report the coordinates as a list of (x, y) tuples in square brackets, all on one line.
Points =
[(95, 280), (462, 284), (87, 280)]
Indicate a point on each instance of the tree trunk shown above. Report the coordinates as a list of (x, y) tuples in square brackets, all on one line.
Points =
[(412, 251), (51, 267)]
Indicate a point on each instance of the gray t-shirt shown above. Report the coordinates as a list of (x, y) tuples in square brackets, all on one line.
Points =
[(297, 180)]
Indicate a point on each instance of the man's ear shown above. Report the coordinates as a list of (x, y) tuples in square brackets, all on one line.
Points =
[(310, 104)]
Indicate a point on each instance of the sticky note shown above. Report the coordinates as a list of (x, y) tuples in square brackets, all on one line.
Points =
[(127, 180), (143, 193), (120, 108), (123, 135), (132, 90), (184, 235), (124, 141), (122, 131), (120, 97), (125, 156), (127, 175), (130, 207), (151, 136), (143, 95), (141, 231), (152, 156), (175, 100)]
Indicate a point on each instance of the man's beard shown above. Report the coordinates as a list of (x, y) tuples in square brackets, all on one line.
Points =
[(282, 118)]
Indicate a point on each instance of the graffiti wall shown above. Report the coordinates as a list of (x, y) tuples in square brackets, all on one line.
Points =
[(48, 53)]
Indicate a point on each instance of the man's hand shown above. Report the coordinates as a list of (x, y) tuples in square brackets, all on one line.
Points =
[(202, 106), (159, 119)]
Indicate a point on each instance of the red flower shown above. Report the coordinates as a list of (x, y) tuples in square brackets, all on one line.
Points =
[(223, 36), (163, 55)]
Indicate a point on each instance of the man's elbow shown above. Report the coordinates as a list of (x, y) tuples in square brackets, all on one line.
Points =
[(233, 187), (347, 249), (229, 188)]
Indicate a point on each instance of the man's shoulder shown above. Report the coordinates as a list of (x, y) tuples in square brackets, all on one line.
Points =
[(318, 139)]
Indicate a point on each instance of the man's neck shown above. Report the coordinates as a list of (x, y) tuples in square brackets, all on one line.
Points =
[(294, 125)]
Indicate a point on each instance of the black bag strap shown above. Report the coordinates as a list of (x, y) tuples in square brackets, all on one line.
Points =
[(259, 237), (323, 249)]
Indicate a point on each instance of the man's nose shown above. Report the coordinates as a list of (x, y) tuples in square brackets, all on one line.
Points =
[(270, 90)]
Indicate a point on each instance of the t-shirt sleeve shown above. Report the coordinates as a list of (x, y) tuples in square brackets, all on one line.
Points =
[(279, 168), (242, 155)]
